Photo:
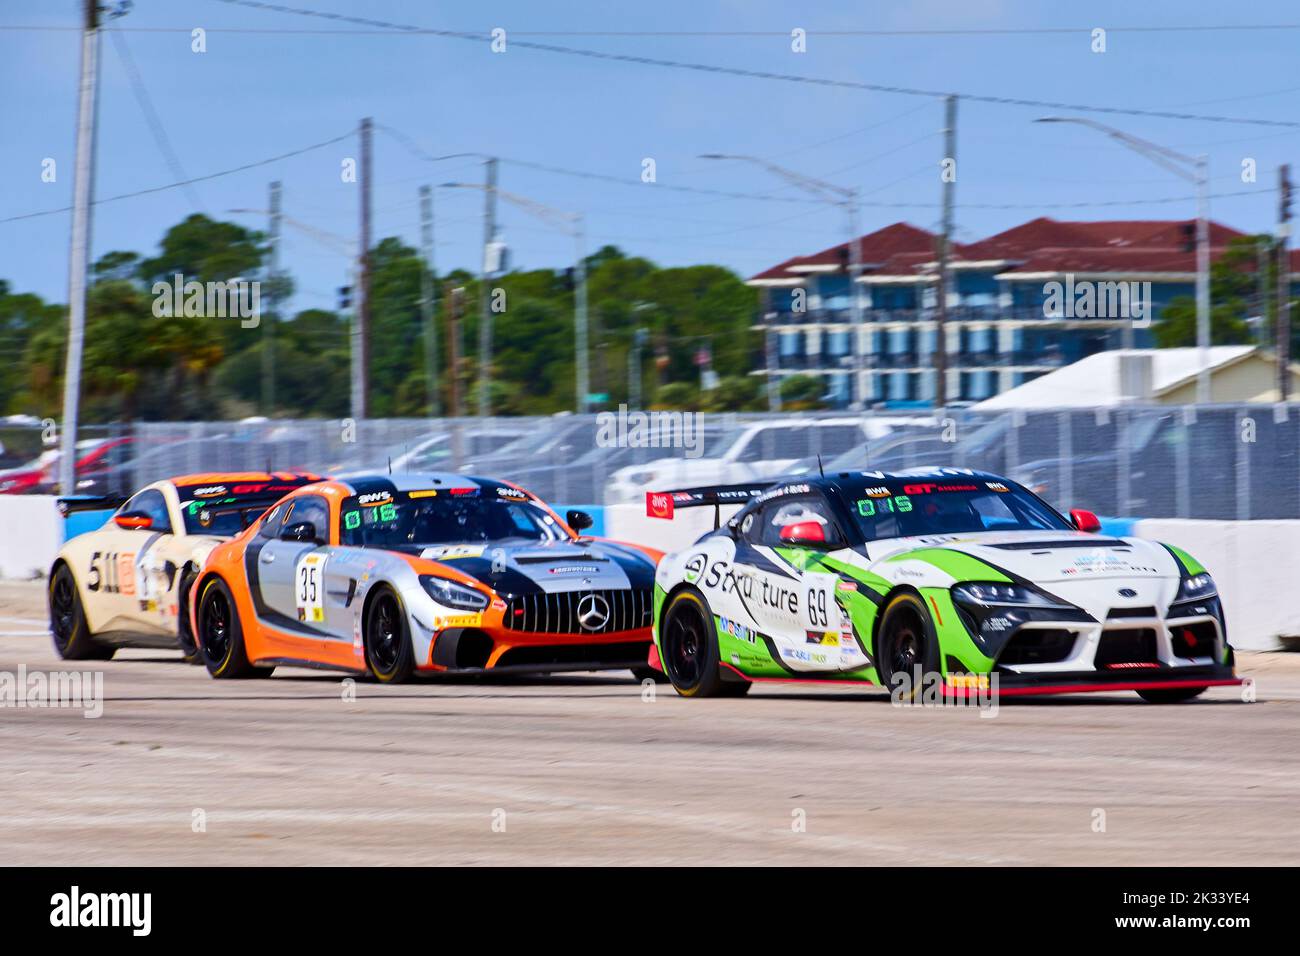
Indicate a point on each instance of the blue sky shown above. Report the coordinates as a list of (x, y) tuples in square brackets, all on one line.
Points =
[(257, 95)]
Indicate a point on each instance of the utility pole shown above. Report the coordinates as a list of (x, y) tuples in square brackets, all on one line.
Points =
[(945, 241), (361, 337), (455, 302), (485, 297), (580, 313), (634, 368), (82, 197), (1202, 279), (268, 325), (860, 393), (428, 294), (1283, 283), (1194, 169)]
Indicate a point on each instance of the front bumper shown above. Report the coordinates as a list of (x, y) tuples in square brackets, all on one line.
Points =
[(1048, 650)]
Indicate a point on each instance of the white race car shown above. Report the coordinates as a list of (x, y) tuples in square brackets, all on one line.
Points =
[(943, 576), (125, 584)]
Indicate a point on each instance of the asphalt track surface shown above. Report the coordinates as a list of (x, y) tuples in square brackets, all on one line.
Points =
[(182, 769)]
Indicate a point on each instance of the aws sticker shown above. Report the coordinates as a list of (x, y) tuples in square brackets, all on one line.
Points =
[(309, 588)]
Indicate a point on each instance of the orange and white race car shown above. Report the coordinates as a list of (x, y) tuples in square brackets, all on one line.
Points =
[(393, 575), (124, 585)]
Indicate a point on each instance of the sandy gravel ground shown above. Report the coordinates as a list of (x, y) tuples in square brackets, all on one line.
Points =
[(183, 769)]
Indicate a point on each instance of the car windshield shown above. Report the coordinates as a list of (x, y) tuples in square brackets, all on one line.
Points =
[(227, 515), (904, 507), (421, 519)]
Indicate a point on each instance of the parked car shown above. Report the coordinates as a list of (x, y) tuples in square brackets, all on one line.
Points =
[(761, 450)]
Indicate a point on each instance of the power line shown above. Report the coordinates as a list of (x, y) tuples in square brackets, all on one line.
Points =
[(721, 34), (155, 125), (187, 182), (760, 74)]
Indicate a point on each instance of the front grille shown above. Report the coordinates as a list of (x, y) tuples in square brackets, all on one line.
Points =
[(569, 655), (1127, 647), (629, 609), (1122, 612), (1038, 646), (1194, 640)]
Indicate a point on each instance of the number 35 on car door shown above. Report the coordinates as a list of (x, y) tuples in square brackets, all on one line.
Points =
[(309, 588)]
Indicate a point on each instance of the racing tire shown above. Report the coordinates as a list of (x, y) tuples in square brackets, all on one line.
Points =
[(1170, 695), (906, 641), (689, 650), (190, 650), (221, 636), (389, 653), (68, 627)]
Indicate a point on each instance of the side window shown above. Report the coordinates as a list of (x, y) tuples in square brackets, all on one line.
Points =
[(152, 503), (782, 512), (311, 508), (271, 523)]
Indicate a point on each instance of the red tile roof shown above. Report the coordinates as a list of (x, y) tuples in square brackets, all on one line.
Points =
[(1040, 245)]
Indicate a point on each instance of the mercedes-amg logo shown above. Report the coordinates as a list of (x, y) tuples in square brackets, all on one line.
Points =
[(593, 612)]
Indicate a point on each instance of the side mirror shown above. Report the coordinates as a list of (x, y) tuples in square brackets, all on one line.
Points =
[(302, 531), (578, 520), (133, 521), (808, 534), (1084, 520)]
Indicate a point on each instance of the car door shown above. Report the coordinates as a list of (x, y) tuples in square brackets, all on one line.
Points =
[(794, 598), (116, 577), (291, 564)]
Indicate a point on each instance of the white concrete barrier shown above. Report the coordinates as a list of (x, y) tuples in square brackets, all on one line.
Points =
[(31, 533), (1253, 564)]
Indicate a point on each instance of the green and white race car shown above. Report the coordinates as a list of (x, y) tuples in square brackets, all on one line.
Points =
[(940, 577)]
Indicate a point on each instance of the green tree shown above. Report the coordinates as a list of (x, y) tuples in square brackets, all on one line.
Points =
[(1232, 287), (802, 392)]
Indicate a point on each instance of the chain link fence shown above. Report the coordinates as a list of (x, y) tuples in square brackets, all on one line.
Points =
[(1222, 462)]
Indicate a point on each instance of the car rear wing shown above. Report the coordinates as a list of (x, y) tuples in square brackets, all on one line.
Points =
[(664, 504), (69, 506)]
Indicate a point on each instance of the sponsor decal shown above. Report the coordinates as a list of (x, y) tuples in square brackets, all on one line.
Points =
[(505, 491), (210, 491), (738, 630), (574, 569), (694, 568), (996, 486), (824, 638), (463, 492), (457, 620), (450, 552), (374, 498), (498, 604), (658, 505), (878, 492), (426, 493)]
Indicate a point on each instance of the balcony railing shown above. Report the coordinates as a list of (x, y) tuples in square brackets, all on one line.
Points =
[(963, 313)]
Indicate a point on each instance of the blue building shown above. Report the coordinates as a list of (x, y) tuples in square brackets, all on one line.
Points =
[(1020, 303)]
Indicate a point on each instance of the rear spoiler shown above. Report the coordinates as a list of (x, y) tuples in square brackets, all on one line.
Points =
[(69, 506), (663, 504)]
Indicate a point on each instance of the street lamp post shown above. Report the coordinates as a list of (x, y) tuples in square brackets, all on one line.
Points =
[(1194, 169), (573, 224), (846, 199)]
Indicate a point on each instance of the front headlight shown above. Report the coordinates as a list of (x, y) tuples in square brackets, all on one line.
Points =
[(1196, 588), (454, 595), (1003, 595)]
